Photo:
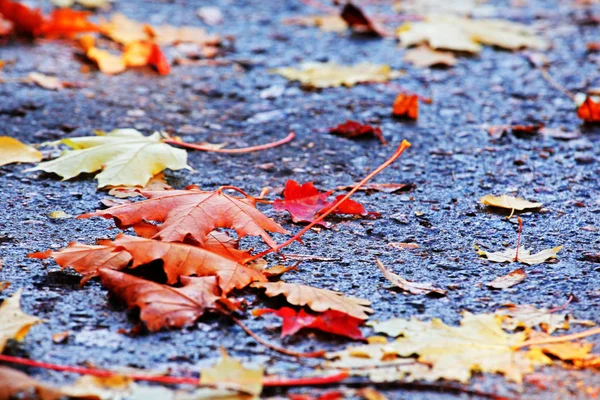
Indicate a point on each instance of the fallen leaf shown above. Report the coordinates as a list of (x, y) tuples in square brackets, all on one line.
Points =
[(423, 57), (167, 35), (161, 306), (13, 151), (525, 256), (589, 110), (408, 286), (87, 260), (497, 131), (15, 323), (509, 280), (403, 246), (327, 23), (45, 81), (406, 106), (84, 3), (478, 345), (323, 75), (124, 30), (330, 321), (60, 337), (158, 60), (348, 207), (455, 33), (193, 214), (509, 202), (155, 184), (14, 382), (353, 129), (357, 20), (66, 22), (125, 156), (142, 53), (318, 300), (382, 187), (230, 373), (6, 28), (25, 21), (59, 215), (108, 63)]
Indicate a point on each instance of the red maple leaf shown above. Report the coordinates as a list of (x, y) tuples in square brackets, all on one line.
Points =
[(330, 321), (26, 21), (158, 60), (589, 111), (352, 129), (406, 106), (304, 202)]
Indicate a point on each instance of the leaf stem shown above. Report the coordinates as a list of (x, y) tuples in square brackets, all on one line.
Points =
[(555, 84), (519, 237), (268, 381), (559, 339), (192, 146), (403, 146)]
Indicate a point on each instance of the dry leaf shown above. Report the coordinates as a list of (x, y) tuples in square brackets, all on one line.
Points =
[(60, 337), (424, 56), (509, 202), (327, 23), (454, 353), (527, 316), (317, 299), (13, 151), (156, 184), (14, 382), (525, 256), (408, 286), (108, 63), (124, 30), (45, 81), (449, 32), (15, 323), (509, 280), (59, 215), (406, 106), (323, 75), (358, 21), (230, 373), (84, 3), (125, 156), (403, 246)]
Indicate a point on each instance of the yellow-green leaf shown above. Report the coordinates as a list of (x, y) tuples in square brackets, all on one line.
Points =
[(125, 156), (322, 75), (13, 151)]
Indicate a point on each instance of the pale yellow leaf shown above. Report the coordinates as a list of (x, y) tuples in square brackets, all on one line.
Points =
[(45, 81), (124, 30), (509, 202), (424, 56), (322, 75), (408, 286), (15, 323), (447, 32), (527, 316), (13, 151), (230, 373), (108, 63), (525, 256), (508, 280), (125, 156), (155, 184)]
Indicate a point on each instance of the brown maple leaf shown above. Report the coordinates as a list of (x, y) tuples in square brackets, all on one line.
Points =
[(163, 306), (193, 213), (317, 299)]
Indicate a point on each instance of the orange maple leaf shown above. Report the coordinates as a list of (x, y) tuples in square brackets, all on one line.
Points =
[(67, 22), (162, 306), (406, 106), (193, 213), (26, 21), (589, 111)]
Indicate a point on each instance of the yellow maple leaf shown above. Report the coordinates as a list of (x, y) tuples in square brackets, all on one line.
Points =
[(478, 344), (524, 256), (13, 151), (230, 373), (509, 202), (424, 56), (15, 323), (448, 32), (125, 156), (322, 75)]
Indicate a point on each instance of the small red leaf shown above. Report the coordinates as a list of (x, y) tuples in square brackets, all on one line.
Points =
[(330, 321), (406, 106), (26, 21), (589, 111), (158, 60), (303, 202), (352, 129)]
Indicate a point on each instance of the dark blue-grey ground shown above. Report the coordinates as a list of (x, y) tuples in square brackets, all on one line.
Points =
[(453, 162)]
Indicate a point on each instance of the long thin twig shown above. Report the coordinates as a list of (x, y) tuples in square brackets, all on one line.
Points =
[(519, 237), (242, 150), (268, 381), (559, 339), (555, 84), (403, 146)]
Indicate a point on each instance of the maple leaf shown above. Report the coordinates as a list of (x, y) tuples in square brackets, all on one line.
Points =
[(524, 255), (317, 299), (13, 151), (230, 373), (327, 23), (163, 306), (589, 110), (450, 32), (107, 63), (408, 286), (323, 75), (45, 81), (193, 214), (424, 56), (305, 201), (406, 106), (356, 19), (352, 129), (142, 53), (67, 22), (478, 344), (124, 30), (15, 323), (6, 27), (86, 259), (330, 321), (527, 316), (126, 157), (509, 280), (14, 384), (509, 202), (25, 21)]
